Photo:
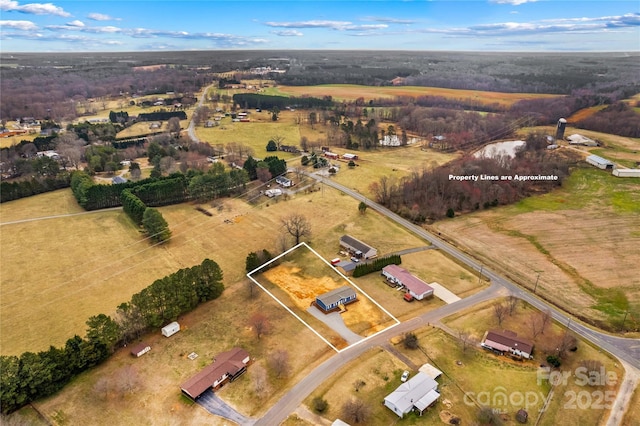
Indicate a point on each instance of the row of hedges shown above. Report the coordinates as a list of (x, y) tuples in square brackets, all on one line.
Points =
[(30, 376), (253, 100), (10, 191), (154, 192), (376, 265)]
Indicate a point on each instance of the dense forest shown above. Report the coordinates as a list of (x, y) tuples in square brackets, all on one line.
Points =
[(74, 81), (434, 194)]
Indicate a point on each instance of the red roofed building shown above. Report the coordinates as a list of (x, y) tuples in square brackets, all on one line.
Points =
[(227, 366), (415, 286), (507, 341)]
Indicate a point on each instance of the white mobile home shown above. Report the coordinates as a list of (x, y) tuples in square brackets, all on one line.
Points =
[(626, 172), (170, 329)]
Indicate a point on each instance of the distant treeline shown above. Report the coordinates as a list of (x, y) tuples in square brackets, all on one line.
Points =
[(434, 194), (162, 115), (618, 119), (10, 191), (30, 376), (253, 100)]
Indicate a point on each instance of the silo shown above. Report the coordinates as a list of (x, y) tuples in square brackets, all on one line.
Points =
[(562, 123)]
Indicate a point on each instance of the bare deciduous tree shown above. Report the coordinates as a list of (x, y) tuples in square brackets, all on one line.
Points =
[(279, 363), (500, 311), (512, 303), (546, 318), (297, 226), (566, 343), (356, 411), (101, 387), (535, 324), (466, 340), (127, 380), (260, 324), (260, 383)]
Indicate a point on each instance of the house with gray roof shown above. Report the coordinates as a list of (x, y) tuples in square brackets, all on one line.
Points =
[(332, 299), (419, 393)]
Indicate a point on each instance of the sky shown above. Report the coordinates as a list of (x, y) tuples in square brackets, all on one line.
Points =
[(430, 25)]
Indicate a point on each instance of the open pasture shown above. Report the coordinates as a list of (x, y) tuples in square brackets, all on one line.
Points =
[(350, 92), (547, 235), (212, 328), (393, 162), (58, 272)]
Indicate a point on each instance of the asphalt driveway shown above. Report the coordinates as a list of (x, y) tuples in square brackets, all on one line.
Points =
[(213, 404)]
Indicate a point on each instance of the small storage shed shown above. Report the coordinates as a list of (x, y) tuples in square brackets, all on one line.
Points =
[(599, 162), (140, 349), (170, 329)]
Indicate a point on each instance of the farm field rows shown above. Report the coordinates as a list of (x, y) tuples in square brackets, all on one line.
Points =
[(549, 235), (350, 92)]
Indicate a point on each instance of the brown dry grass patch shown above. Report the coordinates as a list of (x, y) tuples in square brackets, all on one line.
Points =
[(352, 92)]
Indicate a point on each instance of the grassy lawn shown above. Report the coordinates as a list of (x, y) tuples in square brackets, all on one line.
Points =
[(216, 326), (13, 140), (481, 318), (89, 264), (395, 163), (430, 266), (632, 416)]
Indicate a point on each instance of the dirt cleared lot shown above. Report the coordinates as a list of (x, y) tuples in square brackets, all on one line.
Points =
[(302, 276)]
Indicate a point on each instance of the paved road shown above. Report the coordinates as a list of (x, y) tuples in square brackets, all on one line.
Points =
[(191, 130), (625, 349), (290, 401)]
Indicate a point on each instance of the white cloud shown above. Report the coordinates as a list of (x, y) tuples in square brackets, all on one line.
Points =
[(19, 25), (390, 20), (76, 23), (101, 17), (288, 33), (512, 2), (33, 8), (334, 25)]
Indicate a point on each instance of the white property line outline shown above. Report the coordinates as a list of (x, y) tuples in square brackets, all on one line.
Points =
[(303, 321)]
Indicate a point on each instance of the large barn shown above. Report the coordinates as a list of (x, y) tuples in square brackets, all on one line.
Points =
[(357, 247), (227, 366), (334, 298), (415, 286)]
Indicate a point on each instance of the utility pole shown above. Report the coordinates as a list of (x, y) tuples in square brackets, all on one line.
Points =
[(480, 276), (536, 286)]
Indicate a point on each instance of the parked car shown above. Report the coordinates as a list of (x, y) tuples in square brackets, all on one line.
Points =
[(405, 376)]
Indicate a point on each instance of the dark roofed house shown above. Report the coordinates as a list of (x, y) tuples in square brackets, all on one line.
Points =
[(507, 341), (357, 247), (334, 298), (227, 366), (118, 179)]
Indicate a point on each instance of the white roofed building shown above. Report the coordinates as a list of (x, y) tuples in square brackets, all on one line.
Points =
[(419, 392)]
